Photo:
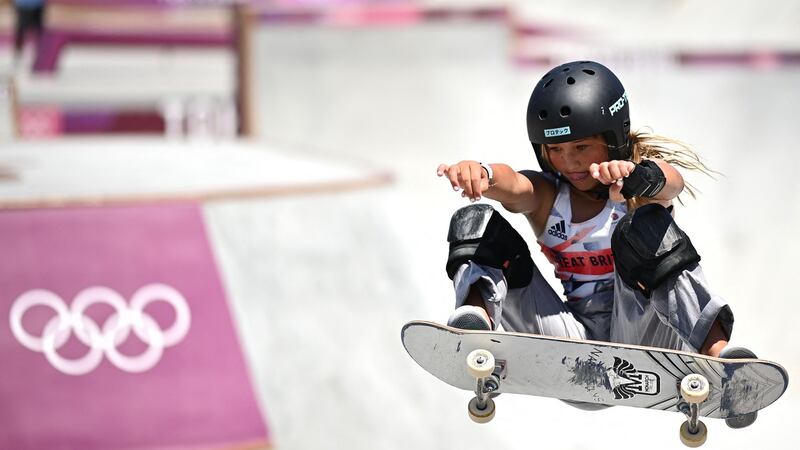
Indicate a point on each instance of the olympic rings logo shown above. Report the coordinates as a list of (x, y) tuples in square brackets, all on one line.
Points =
[(115, 330)]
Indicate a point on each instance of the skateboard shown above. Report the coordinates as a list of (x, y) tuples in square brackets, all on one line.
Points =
[(593, 372)]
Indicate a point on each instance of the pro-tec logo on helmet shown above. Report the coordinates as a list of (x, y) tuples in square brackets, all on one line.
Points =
[(555, 132), (618, 104)]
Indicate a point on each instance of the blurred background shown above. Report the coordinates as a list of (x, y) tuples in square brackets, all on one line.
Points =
[(249, 187)]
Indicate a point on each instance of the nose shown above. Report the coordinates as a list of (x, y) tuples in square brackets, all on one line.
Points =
[(571, 159)]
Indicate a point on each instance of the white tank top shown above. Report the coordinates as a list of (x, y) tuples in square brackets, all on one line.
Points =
[(581, 252)]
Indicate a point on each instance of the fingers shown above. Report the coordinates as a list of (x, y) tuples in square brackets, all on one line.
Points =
[(475, 182), (453, 174), (601, 173), (605, 174), (466, 175), (611, 171), (615, 192), (594, 171), (445, 170), (620, 169), (469, 178)]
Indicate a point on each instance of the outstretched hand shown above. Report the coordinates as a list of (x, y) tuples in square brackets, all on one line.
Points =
[(612, 174), (467, 176)]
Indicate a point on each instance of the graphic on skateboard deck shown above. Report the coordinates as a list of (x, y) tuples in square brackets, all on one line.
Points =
[(604, 373)]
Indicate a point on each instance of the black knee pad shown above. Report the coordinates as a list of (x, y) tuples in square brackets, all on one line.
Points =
[(648, 247), (480, 234)]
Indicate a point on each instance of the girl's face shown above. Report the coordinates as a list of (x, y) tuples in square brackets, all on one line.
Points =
[(572, 159)]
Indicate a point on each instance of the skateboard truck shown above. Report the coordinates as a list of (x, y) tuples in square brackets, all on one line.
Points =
[(482, 365), (694, 390)]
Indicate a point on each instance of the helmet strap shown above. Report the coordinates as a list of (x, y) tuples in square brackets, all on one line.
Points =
[(620, 152)]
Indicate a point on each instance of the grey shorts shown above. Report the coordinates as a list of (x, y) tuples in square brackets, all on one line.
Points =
[(678, 315)]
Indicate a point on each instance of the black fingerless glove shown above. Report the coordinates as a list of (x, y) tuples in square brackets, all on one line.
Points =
[(646, 180)]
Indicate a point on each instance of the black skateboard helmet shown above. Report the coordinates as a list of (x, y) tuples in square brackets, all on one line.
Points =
[(577, 100)]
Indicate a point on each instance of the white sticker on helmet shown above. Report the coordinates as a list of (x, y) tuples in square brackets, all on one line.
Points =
[(618, 104), (555, 132)]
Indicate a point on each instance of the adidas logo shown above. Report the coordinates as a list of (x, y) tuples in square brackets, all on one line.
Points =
[(558, 230)]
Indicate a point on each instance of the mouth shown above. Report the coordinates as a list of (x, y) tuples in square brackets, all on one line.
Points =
[(577, 176)]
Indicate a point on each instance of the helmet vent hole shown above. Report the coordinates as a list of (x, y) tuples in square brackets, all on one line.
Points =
[(548, 82), (570, 80), (543, 114), (590, 72), (566, 69), (565, 111)]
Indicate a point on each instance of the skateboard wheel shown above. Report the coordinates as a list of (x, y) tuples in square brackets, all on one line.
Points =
[(690, 439), (694, 388), (481, 415), (480, 363)]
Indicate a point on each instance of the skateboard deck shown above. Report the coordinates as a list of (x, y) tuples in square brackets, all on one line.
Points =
[(595, 372)]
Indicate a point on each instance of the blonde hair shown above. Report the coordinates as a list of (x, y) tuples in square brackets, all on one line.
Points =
[(647, 145)]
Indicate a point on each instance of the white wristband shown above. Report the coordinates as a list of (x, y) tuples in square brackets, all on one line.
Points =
[(489, 172)]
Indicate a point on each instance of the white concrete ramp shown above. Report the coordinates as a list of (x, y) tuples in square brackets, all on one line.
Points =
[(102, 171)]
